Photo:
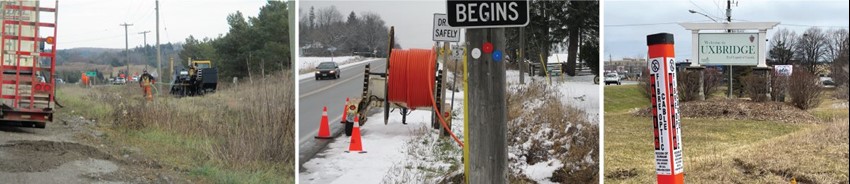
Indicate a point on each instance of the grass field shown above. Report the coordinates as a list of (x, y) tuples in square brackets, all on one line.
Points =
[(725, 150), (241, 134)]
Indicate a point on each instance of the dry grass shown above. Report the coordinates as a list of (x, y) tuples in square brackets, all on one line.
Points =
[(248, 127), (741, 110), (726, 150), (552, 130)]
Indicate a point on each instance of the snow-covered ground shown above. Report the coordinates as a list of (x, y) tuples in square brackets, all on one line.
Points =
[(312, 62), (415, 153), (576, 91), (390, 148)]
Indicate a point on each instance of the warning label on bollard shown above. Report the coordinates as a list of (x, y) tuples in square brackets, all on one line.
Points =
[(666, 122)]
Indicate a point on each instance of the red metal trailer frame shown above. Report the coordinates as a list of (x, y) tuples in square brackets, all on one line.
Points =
[(24, 111)]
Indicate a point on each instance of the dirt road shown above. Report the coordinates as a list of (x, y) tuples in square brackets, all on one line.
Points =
[(71, 150)]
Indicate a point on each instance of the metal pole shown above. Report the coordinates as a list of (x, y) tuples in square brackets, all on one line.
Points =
[(126, 48), (487, 128), (730, 83), (520, 59)]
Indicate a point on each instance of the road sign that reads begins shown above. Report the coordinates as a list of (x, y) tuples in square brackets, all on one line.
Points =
[(442, 30), (482, 14)]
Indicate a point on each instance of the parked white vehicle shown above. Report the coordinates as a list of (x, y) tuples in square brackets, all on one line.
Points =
[(612, 78)]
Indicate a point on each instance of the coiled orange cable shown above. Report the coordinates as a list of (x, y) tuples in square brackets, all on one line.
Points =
[(411, 81)]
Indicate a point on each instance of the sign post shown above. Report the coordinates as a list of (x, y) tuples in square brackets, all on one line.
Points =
[(485, 127), (669, 161)]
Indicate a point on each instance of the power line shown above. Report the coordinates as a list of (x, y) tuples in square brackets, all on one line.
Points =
[(804, 25), (643, 24)]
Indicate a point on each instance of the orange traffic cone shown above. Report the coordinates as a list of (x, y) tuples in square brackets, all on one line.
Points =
[(356, 145), (344, 109), (324, 129)]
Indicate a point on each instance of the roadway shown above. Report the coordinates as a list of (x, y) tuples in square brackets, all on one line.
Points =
[(313, 95)]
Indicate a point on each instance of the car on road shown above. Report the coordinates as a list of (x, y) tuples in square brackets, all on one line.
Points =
[(327, 70), (612, 78), (119, 81)]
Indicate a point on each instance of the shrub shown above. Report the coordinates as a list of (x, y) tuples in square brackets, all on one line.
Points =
[(779, 86), (688, 84), (712, 79), (755, 87), (804, 90)]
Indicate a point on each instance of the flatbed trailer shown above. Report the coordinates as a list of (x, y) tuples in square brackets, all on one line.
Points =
[(28, 64)]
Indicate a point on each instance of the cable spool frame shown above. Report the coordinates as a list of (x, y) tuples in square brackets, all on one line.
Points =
[(368, 97)]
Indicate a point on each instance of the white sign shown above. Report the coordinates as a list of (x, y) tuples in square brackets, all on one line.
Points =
[(457, 53), (442, 30), (666, 122), (728, 49), (783, 70)]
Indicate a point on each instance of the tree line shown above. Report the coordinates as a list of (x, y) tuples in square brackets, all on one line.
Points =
[(325, 32), (813, 47), (554, 25), (252, 46)]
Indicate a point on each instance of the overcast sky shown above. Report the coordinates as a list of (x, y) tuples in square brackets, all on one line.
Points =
[(413, 20), (626, 23), (95, 23)]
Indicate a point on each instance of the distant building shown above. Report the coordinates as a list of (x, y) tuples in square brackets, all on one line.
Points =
[(629, 67)]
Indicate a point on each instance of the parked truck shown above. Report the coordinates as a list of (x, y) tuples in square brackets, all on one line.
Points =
[(28, 63)]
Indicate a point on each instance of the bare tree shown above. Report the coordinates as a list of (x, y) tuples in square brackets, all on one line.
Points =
[(328, 15), (811, 47), (835, 44), (782, 46)]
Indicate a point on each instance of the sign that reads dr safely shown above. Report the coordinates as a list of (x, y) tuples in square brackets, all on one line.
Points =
[(728, 49), (442, 30)]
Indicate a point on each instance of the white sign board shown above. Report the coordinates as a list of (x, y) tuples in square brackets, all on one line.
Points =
[(728, 49), (457, 53), (442, 30), (783, 70), (666, 122)]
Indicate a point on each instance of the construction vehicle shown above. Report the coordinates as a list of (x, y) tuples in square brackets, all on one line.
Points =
[(377, 91), (28, 85), (201, 78)]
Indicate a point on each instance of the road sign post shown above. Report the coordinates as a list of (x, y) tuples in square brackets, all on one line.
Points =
[(665, 109)]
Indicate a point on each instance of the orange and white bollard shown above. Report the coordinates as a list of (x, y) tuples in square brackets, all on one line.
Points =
[(669, 161)]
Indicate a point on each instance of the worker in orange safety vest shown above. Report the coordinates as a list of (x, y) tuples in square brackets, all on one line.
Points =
[(146, 81)]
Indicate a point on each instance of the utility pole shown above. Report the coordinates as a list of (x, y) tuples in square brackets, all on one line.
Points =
[(158, 52), (729, 19), (145, 36), (292, 47), (126, 48), (145, 46), (487, 133)]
